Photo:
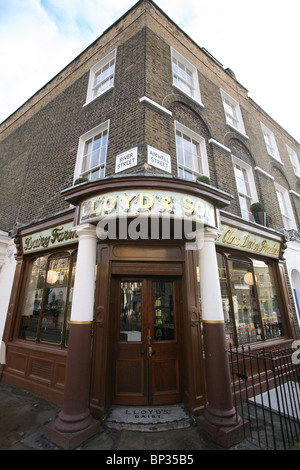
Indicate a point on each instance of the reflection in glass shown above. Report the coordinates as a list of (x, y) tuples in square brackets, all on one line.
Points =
[(130, 311), (74, 259), (229, 322), (33, 299), (47, 302), (267, 300), (163, 311), (55, 301), (244, 303)]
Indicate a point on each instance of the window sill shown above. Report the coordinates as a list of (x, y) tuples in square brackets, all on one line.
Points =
[(98, 96), (199, 102), (276, 159), (237, 130)]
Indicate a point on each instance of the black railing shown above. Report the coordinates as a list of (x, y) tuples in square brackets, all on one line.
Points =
[(266, 388)]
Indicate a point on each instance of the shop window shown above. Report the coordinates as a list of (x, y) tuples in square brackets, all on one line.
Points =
[(245, 186), (249, 299), (191, 153), (102, 76), (185, 76), (47, 304), (91, 155), (285, 207), (232, 112)]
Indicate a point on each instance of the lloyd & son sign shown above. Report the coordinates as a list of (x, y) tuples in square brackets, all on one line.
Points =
[(150, 203)]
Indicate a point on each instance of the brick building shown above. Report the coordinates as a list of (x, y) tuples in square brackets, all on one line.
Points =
[(142, 115)]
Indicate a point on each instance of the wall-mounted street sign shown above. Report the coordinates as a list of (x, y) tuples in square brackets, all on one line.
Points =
[(246, 241), (49, 238), (159, 159), (150, 202), (126, 160)]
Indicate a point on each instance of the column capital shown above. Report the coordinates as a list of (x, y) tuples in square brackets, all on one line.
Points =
[(207, 234), (85, 230)]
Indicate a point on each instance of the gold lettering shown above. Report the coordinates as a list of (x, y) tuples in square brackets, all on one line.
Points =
[(109, 204), (127, 200), (189, 210), (144, 206)]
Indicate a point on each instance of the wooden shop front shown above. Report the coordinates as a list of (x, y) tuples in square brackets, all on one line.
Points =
[(105, 308)]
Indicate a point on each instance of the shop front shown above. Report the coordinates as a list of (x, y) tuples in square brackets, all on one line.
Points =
[(133, 298)]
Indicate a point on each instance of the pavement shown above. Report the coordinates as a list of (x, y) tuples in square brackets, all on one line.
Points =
[(23, 418)]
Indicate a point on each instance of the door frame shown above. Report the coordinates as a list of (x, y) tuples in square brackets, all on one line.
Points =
[(164, 350)]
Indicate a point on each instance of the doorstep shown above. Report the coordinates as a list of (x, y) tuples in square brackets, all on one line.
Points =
[(148, 418)]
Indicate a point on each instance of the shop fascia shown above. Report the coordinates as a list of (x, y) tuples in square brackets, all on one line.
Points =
[(233, 237), (186, 214)]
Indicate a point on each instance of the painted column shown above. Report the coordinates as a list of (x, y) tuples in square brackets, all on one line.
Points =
[(219, 421), (74, 423)]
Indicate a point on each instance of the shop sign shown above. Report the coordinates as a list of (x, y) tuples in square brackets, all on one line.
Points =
[(50, 238), (246, 241), (126, 160), (152, 203), (159, 159)]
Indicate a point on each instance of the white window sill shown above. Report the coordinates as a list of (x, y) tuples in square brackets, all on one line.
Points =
[(98, 96), (276, 159), (237, 130), (199, 102)]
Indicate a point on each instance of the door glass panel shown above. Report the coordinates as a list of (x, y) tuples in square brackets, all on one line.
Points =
[(163, 311), (130, 311)]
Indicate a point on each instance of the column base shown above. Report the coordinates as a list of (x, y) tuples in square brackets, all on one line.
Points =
[(227, 432), (70, 439)]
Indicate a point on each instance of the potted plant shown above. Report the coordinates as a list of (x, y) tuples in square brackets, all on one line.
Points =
[(80, 180), (203, 179), (259, 214)]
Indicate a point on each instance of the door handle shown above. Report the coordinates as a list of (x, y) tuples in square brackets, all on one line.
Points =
[(151, 351), (143, 351)]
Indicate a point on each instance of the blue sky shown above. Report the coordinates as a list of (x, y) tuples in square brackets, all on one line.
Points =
[(258, 40)]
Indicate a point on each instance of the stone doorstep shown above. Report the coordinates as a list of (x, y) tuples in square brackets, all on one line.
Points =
[(148, 418)]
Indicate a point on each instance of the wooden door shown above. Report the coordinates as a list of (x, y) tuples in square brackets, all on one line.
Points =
[(146, 341)]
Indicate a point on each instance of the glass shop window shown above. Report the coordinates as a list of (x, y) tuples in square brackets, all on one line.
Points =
[(47, 304), (249, 299)]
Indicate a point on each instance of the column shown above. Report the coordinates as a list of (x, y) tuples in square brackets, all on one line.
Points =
[(219, 421), (74, 423)]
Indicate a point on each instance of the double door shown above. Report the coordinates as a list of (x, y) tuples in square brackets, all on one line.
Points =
[(146, 365)]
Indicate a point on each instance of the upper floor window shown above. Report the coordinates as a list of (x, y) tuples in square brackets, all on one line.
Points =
[(270, 142), (185, 76), (246, 187), (191, 153), (233, 113), (101, 76), (92, 149), (294, 160), (285, 207)]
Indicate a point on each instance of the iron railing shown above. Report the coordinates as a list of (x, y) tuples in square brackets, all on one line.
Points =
[(266, 388)]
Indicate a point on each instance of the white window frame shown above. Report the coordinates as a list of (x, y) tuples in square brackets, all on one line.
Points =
[(81, 149), (92, 92), (202, 153), (270, 142), (234, 118), (285, 206), (294, 160), (194, 92), (251, 193)]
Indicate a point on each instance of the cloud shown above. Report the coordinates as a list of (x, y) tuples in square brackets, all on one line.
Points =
[(258, 40)]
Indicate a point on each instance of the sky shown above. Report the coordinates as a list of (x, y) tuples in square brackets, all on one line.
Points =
[(258, 39)]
